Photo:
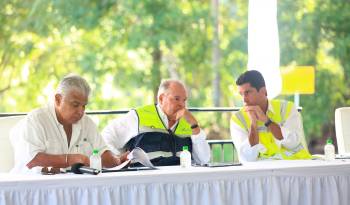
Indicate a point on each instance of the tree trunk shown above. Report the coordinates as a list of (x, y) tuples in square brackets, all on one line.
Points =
[(156, 74), (216, 54)]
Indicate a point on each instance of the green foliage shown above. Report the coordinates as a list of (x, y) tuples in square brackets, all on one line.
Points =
[(315, 32), (124, 48), (325, 103)]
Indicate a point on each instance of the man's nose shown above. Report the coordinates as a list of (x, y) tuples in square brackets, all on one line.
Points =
[(182, 103), (245, 98), (81, 110)]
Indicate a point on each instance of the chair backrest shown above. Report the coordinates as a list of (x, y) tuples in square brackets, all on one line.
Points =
[(342, 129), (6, 150)]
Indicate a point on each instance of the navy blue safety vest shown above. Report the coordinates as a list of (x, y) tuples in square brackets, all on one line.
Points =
[(161, 144)]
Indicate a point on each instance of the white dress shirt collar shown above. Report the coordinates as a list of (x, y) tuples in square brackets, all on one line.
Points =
[(270, 107), (51, 108), (76, 127), (164, 118)]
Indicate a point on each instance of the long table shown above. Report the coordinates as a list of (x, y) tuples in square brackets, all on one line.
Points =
[(264, 182)]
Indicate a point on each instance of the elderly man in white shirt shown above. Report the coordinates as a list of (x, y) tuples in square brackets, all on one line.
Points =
[(162, 130), (59, 134)]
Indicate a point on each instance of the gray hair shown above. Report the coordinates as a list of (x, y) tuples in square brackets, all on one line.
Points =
[(73, 82), (165, 84)]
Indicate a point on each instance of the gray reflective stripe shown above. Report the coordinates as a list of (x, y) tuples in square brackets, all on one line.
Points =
[(295, 150), (178, 154), (298, 148), (149, 129), (262, 129), (288, 153), (144, 129), (241, 118), (277, 156), (153, 155), (284, 106)]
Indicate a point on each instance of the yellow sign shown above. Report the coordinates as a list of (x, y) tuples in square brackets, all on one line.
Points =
[(298, 79)]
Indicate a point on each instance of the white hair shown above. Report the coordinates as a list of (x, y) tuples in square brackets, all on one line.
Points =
[(165, 84), (73, 82)]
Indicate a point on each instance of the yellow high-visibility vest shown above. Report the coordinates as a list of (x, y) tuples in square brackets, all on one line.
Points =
[(281, 111), (157, 141), (149, 121)]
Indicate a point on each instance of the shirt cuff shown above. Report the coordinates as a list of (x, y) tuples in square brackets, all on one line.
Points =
[(103, 149), (290, 139), (35, 170), (279, 142), (198, 138), (251, 153), (31, 156), (258, 148)]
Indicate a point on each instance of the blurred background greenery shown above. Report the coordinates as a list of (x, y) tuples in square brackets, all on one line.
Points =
[(124, 49)]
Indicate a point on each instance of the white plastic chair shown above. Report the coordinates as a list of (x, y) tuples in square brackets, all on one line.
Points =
[(342, 130), (6, 150)]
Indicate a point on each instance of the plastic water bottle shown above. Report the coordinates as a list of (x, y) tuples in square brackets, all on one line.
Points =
[(329, 151), (185, 158), (95, 160)]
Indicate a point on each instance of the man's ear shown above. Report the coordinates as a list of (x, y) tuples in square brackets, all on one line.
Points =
[(160, 99), (263, 89), (58, 99)]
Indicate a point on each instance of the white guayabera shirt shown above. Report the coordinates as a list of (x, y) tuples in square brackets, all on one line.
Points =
[(40, 131)]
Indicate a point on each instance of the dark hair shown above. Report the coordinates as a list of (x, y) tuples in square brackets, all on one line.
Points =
[(253, 77)]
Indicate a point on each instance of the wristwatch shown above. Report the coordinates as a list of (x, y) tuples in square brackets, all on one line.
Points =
[(268, 122), (194, 126)]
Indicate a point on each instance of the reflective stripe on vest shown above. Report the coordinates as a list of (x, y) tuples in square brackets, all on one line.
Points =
[(156, 154), (281, 111)]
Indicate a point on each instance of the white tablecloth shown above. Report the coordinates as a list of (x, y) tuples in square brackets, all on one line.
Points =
[(268, 182)]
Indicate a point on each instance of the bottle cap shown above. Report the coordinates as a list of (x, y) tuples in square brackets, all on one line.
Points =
[(329, 141), (185, 148), (95, 151)]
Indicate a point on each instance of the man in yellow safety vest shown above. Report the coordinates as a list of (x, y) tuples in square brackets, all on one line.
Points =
[(263, 128), (161, 129)]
